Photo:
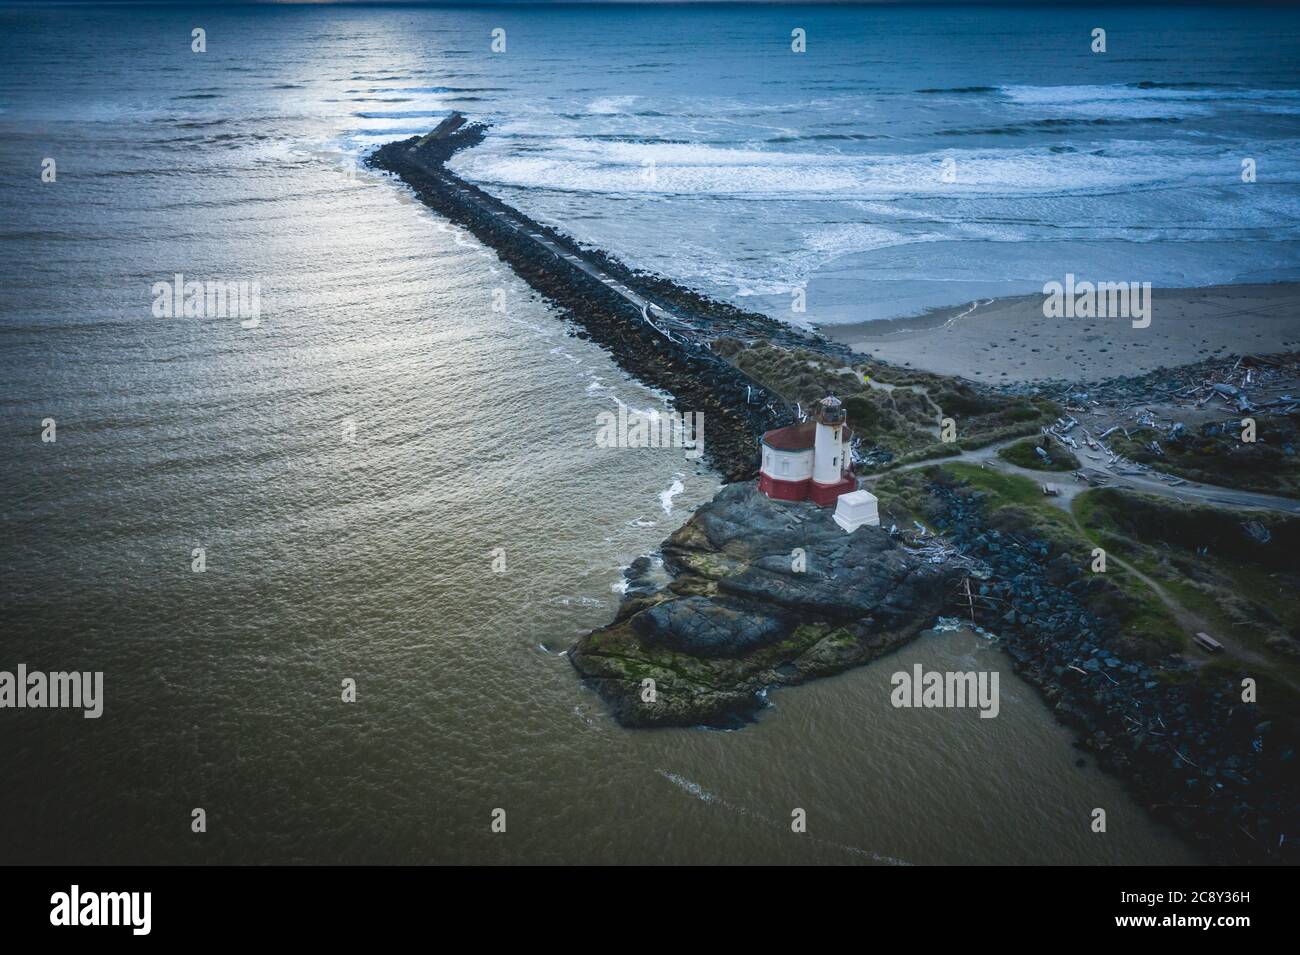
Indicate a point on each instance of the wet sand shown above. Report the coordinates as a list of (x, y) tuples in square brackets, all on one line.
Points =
[(1010, 340)]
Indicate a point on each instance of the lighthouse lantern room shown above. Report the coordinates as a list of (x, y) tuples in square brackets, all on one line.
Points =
[(809, 461)]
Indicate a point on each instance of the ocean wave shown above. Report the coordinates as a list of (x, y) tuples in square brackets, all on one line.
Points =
[(695, 169), (1134, 91), (402, 114), (610, 105), (1172, 100), (1154, 85), (437, 89), (828, 137), (1059, 125), (961, 90)]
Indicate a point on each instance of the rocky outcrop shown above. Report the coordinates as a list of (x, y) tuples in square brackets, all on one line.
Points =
[(764, 593)]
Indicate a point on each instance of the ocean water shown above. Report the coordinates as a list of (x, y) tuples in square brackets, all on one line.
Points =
[(911, 157), (352, 466)]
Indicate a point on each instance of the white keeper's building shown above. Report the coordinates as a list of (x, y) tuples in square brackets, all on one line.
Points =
[(809, 461)]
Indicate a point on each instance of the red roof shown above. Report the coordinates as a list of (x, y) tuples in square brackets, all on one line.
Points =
[(797, 437)]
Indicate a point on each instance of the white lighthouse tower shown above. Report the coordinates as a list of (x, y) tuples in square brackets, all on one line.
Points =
[(832, 474), (828, 449)]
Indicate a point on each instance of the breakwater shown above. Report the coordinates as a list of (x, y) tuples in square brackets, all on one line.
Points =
[(655, 329)]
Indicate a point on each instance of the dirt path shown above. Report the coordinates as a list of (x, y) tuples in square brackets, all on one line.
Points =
[(1070, 489), (1191, 622)]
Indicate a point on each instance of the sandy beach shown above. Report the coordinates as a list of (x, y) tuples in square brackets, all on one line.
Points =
[(1010, 340)]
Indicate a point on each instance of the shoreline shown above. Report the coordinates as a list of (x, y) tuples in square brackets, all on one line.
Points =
[(1009, 341)]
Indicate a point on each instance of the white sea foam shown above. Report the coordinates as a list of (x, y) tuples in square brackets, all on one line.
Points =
[(666, 497), (1085, 93), (611, 105), (703, 795), (589, 166), (695, 789)]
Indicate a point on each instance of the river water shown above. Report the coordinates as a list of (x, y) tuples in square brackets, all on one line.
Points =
[(354, 469)]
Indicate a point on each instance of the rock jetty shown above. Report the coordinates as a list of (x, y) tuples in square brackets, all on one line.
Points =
[(583, 283)]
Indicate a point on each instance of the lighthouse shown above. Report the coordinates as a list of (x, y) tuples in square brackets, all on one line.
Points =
[(809, 461)]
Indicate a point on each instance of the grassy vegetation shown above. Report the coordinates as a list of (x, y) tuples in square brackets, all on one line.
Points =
[(1243, 588), (1237, 570), (1208, 561), (1267, 539), (899, 413), (1270, 465), (895, 421), (902, 498), (1007, 489), (1025, 454), (1016, 505), (903, 494)]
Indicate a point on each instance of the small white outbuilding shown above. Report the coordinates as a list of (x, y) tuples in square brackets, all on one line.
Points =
[(855, 509)]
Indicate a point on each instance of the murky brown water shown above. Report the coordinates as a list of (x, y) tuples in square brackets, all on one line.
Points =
[(372, 560)]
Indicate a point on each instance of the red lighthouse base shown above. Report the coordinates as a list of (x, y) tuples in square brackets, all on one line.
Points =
[(783, 490), (825, 495)]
